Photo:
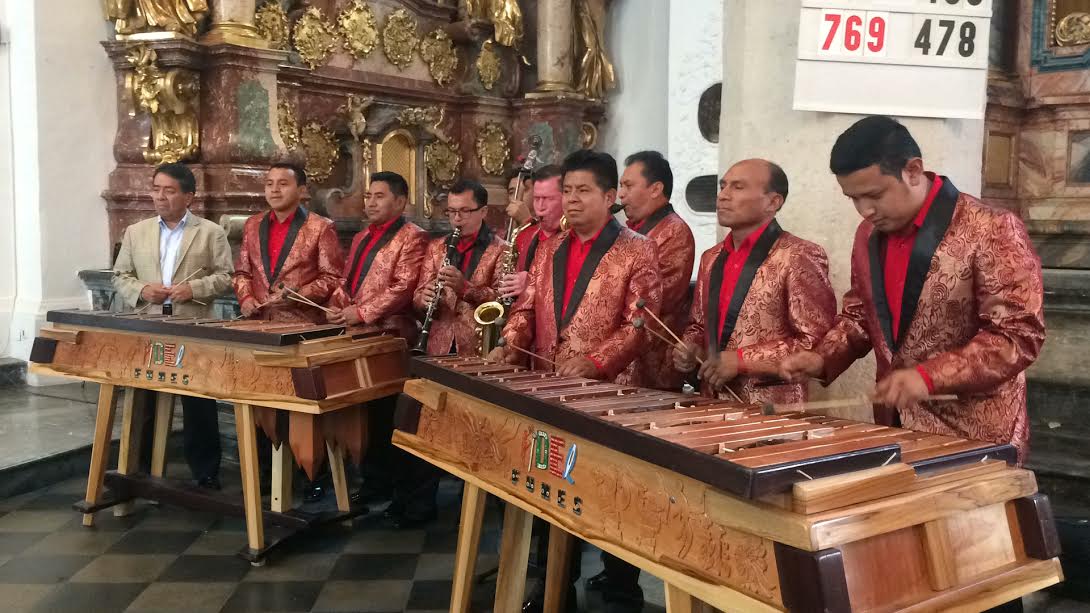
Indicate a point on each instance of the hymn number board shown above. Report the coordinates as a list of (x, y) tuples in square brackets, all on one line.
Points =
[(926, 58)]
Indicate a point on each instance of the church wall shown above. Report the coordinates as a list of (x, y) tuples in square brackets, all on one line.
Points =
[(62, 127), (760, 47)]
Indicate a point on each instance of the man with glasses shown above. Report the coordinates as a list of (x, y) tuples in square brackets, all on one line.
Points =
[(468, 281)]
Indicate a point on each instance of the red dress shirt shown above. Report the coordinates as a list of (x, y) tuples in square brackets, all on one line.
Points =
[(278, 233), (374, 233), (895, 271), (465, 245), (577, 256), (732, 269)]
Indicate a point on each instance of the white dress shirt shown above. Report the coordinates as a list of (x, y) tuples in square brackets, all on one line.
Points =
[(170, 243)]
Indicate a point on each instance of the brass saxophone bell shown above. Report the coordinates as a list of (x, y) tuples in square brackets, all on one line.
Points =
[(564, 224)]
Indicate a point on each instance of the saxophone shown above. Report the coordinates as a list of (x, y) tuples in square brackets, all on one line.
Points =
[(421, 347), (490, 316)]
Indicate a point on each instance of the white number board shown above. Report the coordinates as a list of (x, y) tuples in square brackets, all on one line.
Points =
[(925, 58)]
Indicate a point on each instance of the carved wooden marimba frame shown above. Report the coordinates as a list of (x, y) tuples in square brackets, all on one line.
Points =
[(303, 384), (729, 505)]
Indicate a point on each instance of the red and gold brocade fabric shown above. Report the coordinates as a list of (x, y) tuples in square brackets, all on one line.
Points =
[(309, 262), (971, 317), (453, 320), (620, 269), (676, 251), (386, 279), (789, 306)]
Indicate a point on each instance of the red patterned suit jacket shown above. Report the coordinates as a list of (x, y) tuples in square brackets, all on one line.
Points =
[(676, 251), (453, 320), (310, 263), (388, 278), (789, 306), (971, 316), (602, 305)]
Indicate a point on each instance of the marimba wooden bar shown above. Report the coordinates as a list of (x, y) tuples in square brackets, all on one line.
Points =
[(730, 506), (316, 375)]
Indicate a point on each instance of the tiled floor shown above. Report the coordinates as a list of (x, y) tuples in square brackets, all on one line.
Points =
[(37, 422), (170, 559)]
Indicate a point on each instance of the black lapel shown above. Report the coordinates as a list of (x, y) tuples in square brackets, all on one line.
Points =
[(923, 250), (741, 289), (293, 231), (877, 247), (600, 247), (484, 239), (652, 221), (531, 250), (383, 240)]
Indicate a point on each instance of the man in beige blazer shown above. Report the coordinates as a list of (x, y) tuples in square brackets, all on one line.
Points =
[(179, 263)]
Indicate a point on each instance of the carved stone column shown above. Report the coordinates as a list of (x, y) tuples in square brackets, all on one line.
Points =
[(554, 46), (233, 23)]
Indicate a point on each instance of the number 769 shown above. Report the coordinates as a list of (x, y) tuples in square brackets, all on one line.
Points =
[(852, 36)]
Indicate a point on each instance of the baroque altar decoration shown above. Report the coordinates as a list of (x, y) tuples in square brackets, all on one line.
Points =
[(315, 38), (321, 150), (437, 50), (488, 66), (358, 29), (399, 38), (172, 99), (133, 18), (272, 24), (493, 148)]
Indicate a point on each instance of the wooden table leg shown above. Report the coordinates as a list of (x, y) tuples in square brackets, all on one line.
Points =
[(336, 470), (469, 542), (282, 470), (514, 556), (561, 545), (128, 457), (100, 447), (251, 485), (164, 419)]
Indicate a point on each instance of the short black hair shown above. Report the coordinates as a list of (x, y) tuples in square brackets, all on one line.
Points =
[(514, 172), (480, 194), (296, 169), (874, 140), (655, 169), (777, 180), (601, 165), (398, 185), (549, 171), (180, 173)]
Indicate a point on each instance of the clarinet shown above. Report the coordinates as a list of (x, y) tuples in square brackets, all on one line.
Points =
[(421, 347)]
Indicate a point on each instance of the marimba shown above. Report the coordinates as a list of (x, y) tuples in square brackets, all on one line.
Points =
[(730, 505), (304, 384)]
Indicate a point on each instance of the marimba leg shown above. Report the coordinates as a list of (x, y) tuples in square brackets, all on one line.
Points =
[(557, 568), (514, 556), (469, 542), (164, 420), (100, 447), (247, 459), (336, 470), (128, 457), (679, 601), (283, 468)]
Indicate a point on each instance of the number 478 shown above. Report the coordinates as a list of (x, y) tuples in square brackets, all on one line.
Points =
[(853, 34)]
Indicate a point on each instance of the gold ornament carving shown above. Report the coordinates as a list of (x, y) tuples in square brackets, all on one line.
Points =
[(358, 29), (437, 49), (588, 135), (289, 125), (172, 99), (596, 75), (320, 149), (1074, 29), (314, 37), (427, 117), (354, 111), (443, 163), (399, 38), (493, 148), (504, 15), (272, 24), (488, 66), (155, 19)]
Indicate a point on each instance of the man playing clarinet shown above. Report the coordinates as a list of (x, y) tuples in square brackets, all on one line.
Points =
[(946, 291)]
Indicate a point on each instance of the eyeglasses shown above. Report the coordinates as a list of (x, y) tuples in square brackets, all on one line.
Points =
[(452, 213)]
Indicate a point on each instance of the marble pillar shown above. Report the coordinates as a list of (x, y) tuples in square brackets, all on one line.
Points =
[(760, 48), (554, 46), (233, 23)]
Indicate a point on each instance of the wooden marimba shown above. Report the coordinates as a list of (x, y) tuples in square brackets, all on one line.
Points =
[(730, 505), (302, 383)]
